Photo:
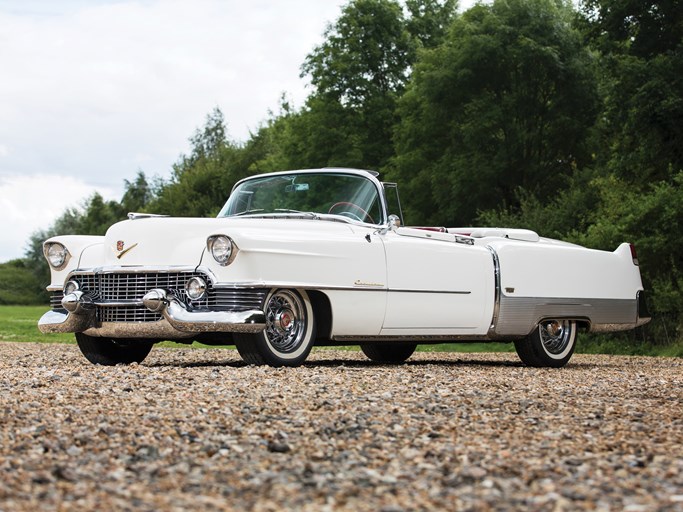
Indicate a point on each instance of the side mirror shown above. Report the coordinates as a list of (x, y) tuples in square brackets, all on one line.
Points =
[(393, 223)]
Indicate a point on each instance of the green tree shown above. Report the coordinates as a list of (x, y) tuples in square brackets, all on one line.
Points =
[(429, 20), (505, 102), (201, 180), (357, 73), (20, 285), (641, 47), (138, 194)]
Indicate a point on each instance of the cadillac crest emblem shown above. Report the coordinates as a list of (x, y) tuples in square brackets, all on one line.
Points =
[(121, 248)]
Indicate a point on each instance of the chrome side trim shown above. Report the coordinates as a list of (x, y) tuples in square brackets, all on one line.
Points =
[(497, 294), (440, 338), (447, 292), (519, 315), (313, 286)]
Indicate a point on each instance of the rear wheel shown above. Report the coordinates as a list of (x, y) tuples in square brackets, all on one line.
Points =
[(551, 344), (289, 334), (389, 352), (113, 351)]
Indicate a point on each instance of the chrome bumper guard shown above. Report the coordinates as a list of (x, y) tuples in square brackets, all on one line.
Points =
[(177, 321)]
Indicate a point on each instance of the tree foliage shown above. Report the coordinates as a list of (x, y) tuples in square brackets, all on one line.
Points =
[(641, 45), (20, 285), (507, 101)]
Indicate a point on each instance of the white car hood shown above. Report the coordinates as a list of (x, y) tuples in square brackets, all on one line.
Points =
[(159, 241)]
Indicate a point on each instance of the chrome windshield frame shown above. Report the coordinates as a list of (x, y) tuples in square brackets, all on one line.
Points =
[(371, 176)]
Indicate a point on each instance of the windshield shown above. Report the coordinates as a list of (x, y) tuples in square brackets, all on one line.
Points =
[(352, 196)]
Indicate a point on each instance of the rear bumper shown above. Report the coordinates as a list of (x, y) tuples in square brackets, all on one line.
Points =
[(177, 321)]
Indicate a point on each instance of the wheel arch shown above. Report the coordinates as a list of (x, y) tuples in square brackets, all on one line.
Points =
[(582, 323), (322, 312)]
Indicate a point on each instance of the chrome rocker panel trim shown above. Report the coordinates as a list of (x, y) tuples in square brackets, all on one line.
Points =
[(177, 321), (521, 315)]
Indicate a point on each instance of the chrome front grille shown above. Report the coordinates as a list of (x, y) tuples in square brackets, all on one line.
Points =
[(231, 299), (124, 290), (131, 287), (126, 314), (56, 300)]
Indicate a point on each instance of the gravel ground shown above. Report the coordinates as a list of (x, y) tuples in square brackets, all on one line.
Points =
[(198, 430)]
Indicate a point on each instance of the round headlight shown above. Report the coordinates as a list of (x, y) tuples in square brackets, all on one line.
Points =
[(221, 248), (56, 255), (70, 287), (195, 288)]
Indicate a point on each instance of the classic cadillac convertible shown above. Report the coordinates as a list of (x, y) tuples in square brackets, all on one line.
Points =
[(322, 257)]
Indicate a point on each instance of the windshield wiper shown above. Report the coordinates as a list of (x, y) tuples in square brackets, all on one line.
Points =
[(246, 212), (286, 210)]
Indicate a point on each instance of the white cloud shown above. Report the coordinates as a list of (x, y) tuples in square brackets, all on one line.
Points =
[(87, 87), (32, 203)]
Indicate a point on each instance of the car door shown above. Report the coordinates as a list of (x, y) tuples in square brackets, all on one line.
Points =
[(436, 286)]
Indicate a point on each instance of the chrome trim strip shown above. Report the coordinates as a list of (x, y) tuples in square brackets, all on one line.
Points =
[(312, 286), (519, 315), (445, 292), (142, 269), (138, 269), (117, 304), (496, 300), (437, 338)]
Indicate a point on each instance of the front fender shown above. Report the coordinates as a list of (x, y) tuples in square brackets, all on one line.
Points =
[(83, 250)]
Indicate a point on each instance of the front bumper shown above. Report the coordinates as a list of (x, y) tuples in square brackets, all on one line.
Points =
[(177, 322)]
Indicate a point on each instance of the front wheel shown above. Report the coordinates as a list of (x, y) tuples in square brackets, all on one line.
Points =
[(289, 334), (551, 344), (113, 351), (389, 352)]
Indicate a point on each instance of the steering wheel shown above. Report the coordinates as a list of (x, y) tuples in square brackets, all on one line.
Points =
[(351, 214)]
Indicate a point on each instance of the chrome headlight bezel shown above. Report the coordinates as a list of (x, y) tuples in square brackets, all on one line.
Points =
[(71, 286), (196, 287), (222, 248), (56, 254)]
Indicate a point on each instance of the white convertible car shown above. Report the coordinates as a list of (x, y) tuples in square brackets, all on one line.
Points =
[(321, 257)]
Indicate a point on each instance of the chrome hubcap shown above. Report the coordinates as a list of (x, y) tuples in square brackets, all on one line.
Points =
[(285, 321), (555, 335)]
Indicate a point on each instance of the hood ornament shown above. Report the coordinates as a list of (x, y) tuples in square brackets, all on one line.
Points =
[(122, 250)]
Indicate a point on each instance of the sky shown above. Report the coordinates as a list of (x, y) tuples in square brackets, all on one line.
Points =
[(93, 91)]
